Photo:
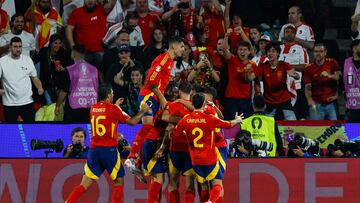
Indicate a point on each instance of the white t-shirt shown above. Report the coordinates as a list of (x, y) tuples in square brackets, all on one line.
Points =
[(27, 39), (303, 32), (117, 14), (294, 55), (184, 66), (15, 76), (135, 36)]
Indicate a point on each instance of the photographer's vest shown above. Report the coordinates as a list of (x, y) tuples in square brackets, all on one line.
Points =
[(261, 128), (84, 85), (351, 79)]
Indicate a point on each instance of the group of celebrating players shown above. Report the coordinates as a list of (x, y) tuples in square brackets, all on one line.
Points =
[(180, 137)]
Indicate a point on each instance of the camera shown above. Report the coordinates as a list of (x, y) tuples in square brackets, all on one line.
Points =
[(57, 145), (255, 147), (307, 145), (304, 142), (349, 148), (184, 5), (77, 148)]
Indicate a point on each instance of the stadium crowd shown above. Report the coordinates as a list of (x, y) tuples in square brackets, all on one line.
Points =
[(116, 41)]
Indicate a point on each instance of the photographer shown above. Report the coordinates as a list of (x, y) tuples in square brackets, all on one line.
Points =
[(300, 146), (342, 148), (263, 129), (77, 149), (242, 146), (123, 146)]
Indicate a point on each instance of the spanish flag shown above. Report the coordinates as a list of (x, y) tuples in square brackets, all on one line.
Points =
[(44, 22)]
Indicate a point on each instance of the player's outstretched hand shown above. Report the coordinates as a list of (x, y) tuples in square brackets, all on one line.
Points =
[(119, 101), (239, 118)]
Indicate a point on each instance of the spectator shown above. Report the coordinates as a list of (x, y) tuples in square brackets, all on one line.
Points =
[(111, 55), (351, 81), (52, 58), (240, 74), (321, 85), (44, 21), (304, 33), (147, 21), (211, 21), (79, 88), (297, 57), (16, 70), (120, 11), (273, 73), (203, 72), (266, 130), (122, 68), (239, 33), (4, 24), (77, 148), (182, 66), (260, 56), (355, 34), (89, 23), (254, 36), (156, 47), (17, 30), (132, 89)]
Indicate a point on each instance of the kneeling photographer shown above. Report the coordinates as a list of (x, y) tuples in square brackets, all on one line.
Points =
[(77, 149), (300, 146), (342, 148), (264, 136)]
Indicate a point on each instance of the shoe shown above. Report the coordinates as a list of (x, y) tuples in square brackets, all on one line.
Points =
[(129, 163), (138, 173)]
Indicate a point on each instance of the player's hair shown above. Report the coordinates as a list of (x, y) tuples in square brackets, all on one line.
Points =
[(78, 129), (210, 90), (104, 91), (275, 45), (198, 100), (15, 39), (175, 40), (259, 102), (185, 87)]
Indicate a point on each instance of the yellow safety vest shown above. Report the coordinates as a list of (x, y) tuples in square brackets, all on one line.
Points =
[(261, 128)]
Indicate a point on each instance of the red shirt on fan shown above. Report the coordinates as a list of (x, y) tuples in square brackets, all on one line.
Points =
[(199, 128), (159, 74), (104, 122), (147, 25), (237, 87), (235, 38), (321, 87), (178, 141), (4, 20), (214, 26), (275, 86), (90, 27)]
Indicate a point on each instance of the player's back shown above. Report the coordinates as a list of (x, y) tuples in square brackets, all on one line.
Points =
[(104, 122)]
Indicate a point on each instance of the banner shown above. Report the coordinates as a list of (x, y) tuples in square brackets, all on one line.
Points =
[(246, 180), (324, 132)]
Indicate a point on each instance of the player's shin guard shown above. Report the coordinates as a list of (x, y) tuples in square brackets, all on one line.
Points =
[(153, 192), (215, 192), (139, 139), (189, 197), (117, 196), (75, 194), (174, 196)]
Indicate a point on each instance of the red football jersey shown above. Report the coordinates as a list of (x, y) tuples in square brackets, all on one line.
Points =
[(147, 25), (219, 139), (159, 73), (200, 132), (158, 128), (178, 139), (104, 122), (214, 27), (322, 87)]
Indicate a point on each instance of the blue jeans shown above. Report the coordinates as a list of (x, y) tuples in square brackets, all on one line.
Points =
[(323, 112), (288, 114)]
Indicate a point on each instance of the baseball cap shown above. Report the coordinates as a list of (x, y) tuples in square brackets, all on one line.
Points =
[(124, 47), (266, 38), (289, 25)]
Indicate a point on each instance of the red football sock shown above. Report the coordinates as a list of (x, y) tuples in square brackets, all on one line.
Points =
[(215, 192), (174, 196), (139, 139), (75, 194), (189, 197), (117, 196), (220, 200), (204, 195), (153, 192)]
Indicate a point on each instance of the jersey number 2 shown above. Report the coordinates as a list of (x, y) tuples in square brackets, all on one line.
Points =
[(199, 134)]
